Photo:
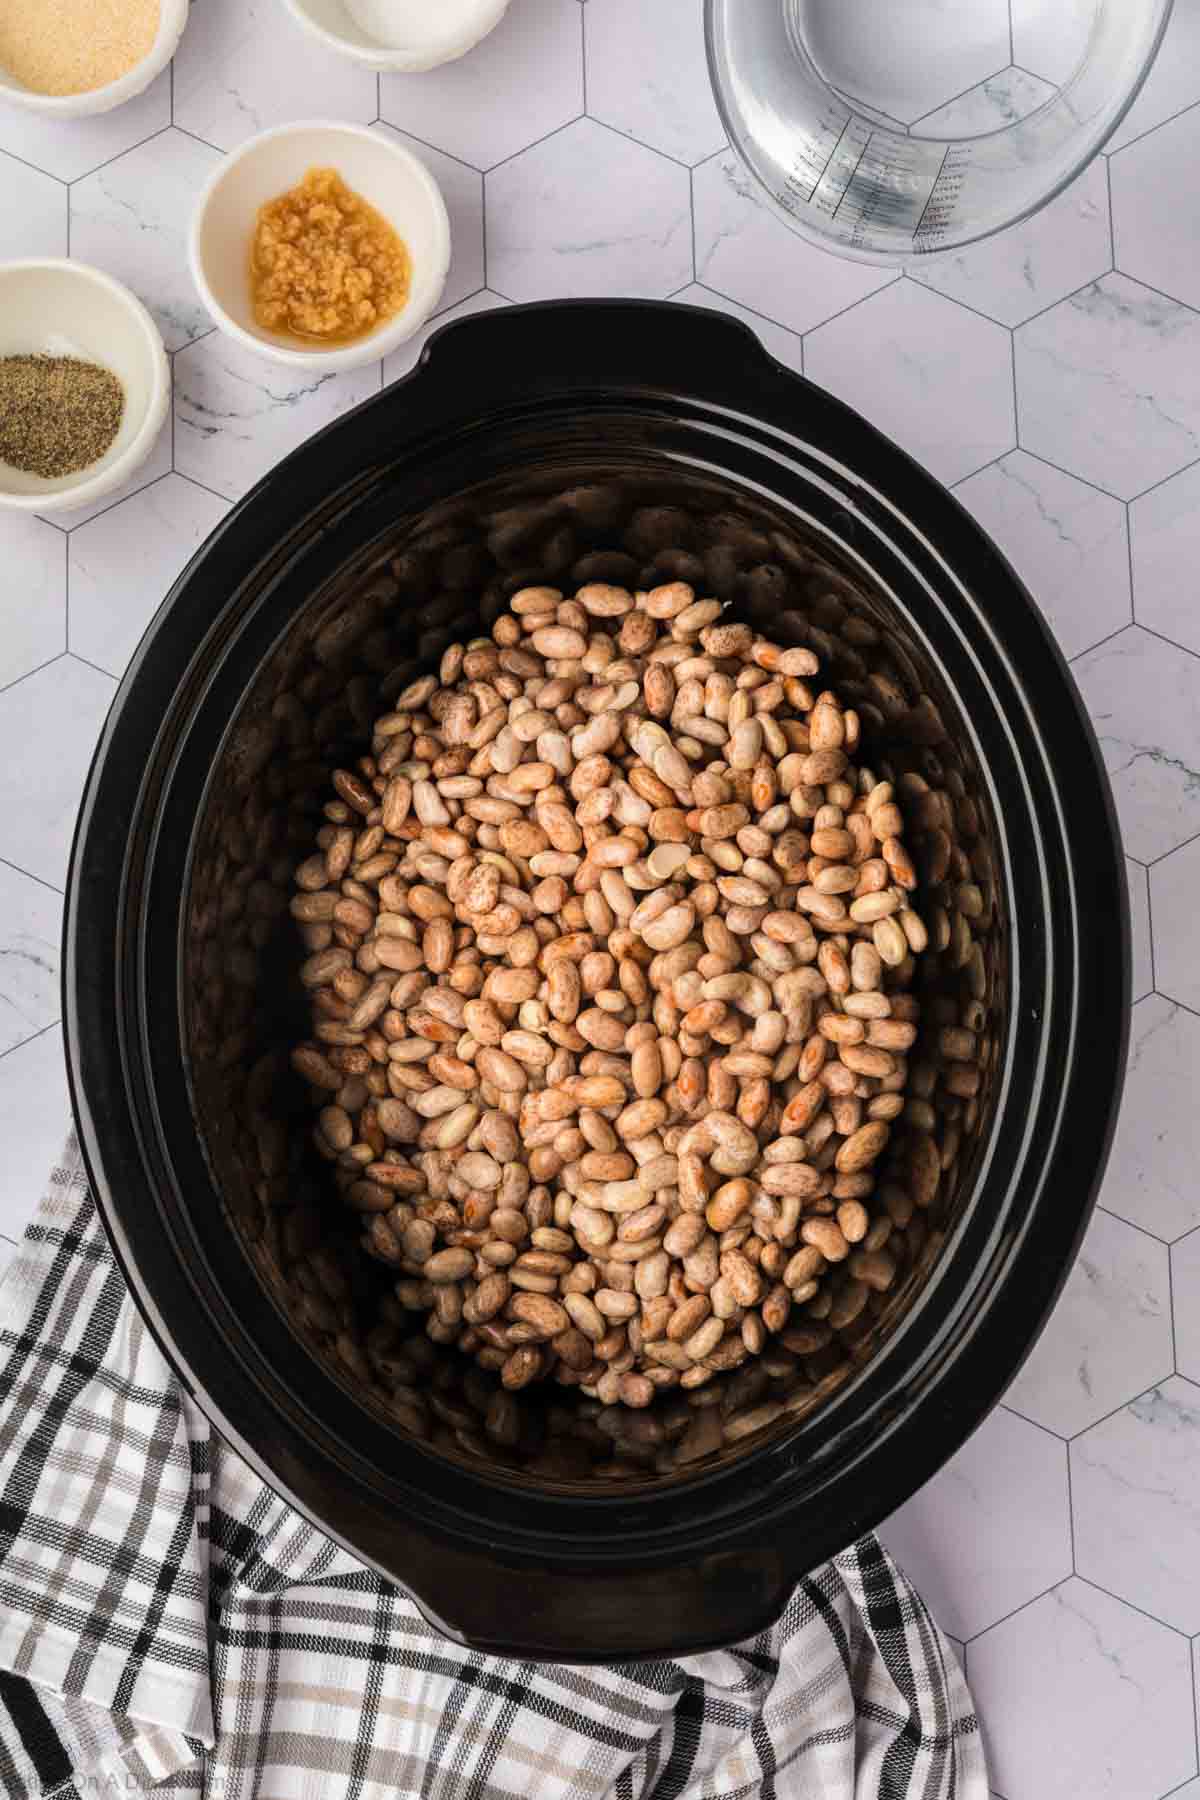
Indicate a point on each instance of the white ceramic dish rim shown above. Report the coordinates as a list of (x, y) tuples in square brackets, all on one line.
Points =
[(403, 61), (377, 343), (172, 19), (93, 487)]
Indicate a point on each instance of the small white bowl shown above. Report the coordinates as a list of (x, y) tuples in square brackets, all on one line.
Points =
[(439, 31), (172, 17), (52, 307), (394, 181)]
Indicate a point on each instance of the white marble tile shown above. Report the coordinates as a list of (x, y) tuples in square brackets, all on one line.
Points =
[(1139, 928), (1174, 78), (131, 218), (647, 75), (48, 728), (785, 345), (30, 930), (933, 377), (113, 601), (1144, 698), (33, 211), (1155, 238), (1082, 1698), (1185, 1283), (1108, 385), (1109, 1336), (991, 1530), (236, 414), (35, 1115), (244, 65), (745, 251), (69, 148), (524, 80), (462, 190), (588, 212), (33, 594), (1050, 39), (1001, 100), (1174, 884), (1164, 528), (405, 358), (906, 60), (1135, 1481), (1189, 1791), (1017, 272), (1151, 1178), (1065, 540)]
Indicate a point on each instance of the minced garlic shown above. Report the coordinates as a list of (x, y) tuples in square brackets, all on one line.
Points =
[(325, 267)]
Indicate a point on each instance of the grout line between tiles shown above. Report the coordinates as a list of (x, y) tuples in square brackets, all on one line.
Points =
[(1155, 860), (583, 72), (1133, 1606), (1164, 639), (1133, 1224), (544, 139), (127, 151), (627, 137), (1071, 1511), (1151, 129), (755, 313), (36, 670), (1039, 456), (8, 863), (1150, 1388), (1171, 1307), (953, 100), (1162, 481), (88, 664), (1100, 643), (841, 313), (196, 138), (1005, 1617), (1150, 928), (31, 1039)]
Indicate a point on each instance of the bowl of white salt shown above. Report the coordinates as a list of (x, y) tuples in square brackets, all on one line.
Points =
[(400, 36), (73, 57)]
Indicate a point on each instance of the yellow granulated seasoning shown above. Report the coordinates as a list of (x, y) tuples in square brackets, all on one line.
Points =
[(325, 267), (74, 46)]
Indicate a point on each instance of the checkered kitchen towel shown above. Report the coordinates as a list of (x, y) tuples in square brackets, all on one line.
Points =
[(167, 1622)]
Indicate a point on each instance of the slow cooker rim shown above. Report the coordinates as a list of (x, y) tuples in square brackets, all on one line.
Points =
[(243, 520)]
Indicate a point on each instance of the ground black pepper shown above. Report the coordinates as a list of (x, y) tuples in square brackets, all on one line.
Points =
[(58, 414)]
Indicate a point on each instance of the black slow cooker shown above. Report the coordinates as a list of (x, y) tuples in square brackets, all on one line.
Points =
[(567, 442)]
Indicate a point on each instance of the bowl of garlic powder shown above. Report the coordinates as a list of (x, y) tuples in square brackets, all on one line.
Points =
[(72, 57)]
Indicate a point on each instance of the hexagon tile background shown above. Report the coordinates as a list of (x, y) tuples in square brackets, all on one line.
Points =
[(1051, 376)]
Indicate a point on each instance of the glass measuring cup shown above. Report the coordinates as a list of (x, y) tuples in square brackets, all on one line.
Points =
[(888, 129)]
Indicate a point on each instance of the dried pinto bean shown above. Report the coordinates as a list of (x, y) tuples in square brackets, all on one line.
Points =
[(609, 950)]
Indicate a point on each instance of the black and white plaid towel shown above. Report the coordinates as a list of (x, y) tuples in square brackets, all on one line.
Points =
[(166, 1619)]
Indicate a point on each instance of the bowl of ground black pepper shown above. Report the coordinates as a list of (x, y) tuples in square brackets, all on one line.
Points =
[(84, 384)]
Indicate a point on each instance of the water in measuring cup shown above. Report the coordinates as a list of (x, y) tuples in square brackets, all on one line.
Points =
[(944, 68)]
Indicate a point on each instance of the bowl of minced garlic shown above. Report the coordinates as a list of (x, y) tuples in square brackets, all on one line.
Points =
[(71, 57), (321, 245)]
